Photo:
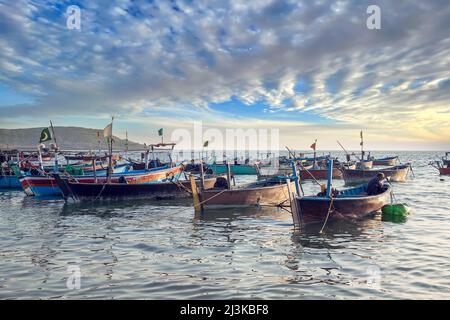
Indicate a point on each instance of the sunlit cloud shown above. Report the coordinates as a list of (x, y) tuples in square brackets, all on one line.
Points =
[(312, 65)]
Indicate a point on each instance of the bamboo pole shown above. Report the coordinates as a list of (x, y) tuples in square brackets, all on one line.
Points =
[(195, 195)]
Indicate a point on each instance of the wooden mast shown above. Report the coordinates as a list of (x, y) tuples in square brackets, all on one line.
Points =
[(110, 154), (362, 146), (57, 148)]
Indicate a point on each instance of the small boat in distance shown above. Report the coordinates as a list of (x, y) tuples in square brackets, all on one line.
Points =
[(443, 169)]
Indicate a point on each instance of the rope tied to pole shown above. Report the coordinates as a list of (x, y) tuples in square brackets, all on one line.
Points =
[(330, 210)]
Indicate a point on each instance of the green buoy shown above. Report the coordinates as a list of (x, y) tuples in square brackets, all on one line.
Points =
[(395, 212)]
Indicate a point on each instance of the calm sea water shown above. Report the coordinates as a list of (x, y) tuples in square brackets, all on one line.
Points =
[(160, 250)]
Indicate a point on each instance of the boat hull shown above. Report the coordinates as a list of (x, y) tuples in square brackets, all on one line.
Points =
[(47, 186), (245, 197), (396, 174), (444, 171), (319, 174), (315, 209), (78, 192), (237, 169), (10, 182)]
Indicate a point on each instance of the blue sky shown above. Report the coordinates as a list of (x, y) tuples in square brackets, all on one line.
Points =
[(312, 69)]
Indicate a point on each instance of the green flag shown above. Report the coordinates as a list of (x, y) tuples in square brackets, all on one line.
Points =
[(205, 144), (45, 135), (160, 132)]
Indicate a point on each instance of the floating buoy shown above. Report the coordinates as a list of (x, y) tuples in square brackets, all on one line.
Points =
[(395, 212)]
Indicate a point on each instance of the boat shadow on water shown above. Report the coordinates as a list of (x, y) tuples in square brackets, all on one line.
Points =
[(255, 212), (121, 208), (346, 229)]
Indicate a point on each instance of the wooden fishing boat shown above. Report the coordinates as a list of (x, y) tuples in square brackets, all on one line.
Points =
[(8, 180), (351, 203), (319, 174), (387, 161), (446, 160), (265, 171), (47, 186), (397, 173), (236, 169), (349, 165), (364, 164), (443, 169), (260, 193), (80, 191)]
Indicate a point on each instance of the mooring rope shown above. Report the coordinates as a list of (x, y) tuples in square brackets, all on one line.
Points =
[(312, 176), (328, 214)]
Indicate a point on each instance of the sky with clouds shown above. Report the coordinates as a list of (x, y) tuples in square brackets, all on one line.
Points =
[(311, 69)]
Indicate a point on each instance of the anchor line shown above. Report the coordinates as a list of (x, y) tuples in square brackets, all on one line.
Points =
[(328, 213)]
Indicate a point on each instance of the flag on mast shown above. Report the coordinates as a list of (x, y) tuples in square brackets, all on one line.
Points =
[(160, 132), (313, 146), (45, 135), (107, 132), (205, 144)]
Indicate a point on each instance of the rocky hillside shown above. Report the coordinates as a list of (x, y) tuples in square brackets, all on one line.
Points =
[(68, 138)]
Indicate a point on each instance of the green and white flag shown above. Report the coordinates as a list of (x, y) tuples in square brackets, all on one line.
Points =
[(45, 135), (160, 132)]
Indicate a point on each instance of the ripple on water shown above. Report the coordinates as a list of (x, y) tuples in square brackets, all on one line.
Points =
[(151, 250)]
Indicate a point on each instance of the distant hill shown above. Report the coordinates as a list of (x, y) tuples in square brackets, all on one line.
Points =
[(68, 138)]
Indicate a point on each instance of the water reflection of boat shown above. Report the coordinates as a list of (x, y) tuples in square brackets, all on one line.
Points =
[(230, 214), (337, 237), (344, 230)]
